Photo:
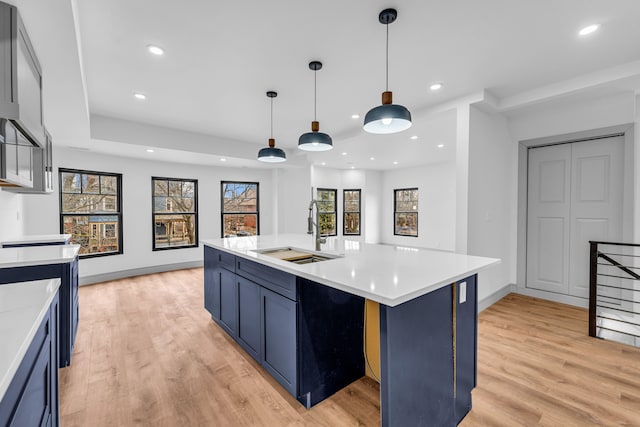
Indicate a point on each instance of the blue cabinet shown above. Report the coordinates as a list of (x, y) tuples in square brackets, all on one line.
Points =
[(228, 302), (69, 308), (249, 320), (306, 335), (279, 338), (32, 396)]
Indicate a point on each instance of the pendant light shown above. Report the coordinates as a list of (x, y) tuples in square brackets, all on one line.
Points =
[(271, 154), (388, 117), (315, 140)]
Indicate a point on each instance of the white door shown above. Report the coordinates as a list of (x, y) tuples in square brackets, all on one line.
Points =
[(596, 203), (575, 195), (548, 230)]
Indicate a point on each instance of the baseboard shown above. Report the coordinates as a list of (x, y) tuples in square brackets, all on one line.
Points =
[(552, 296), (488, 301), (97, 278)]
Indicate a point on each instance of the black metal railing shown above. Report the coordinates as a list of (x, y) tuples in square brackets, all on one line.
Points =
[(614, 292)]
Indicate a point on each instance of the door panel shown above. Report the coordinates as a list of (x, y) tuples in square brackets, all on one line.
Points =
[(249, 317), (551, 268), (574, 195), (596, 205), (549, 215)]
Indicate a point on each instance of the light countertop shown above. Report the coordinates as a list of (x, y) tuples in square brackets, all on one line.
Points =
[(22, 308), (37, 238), (388, 274), (37, 255)]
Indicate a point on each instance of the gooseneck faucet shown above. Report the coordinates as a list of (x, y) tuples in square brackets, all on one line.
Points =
[(310, 224)]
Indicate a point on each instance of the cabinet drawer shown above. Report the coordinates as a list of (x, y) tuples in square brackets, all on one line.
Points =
[(275, 280), (221, 258)]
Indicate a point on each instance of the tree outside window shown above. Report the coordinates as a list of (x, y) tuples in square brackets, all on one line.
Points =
[(405, 212), (90, 210), (351, 212), (240, 209), (175, 213), (327, 211)]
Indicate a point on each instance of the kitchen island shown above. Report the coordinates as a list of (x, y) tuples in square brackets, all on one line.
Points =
[(302, 318)]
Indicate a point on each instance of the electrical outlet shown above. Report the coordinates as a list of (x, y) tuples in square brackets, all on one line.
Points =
[(463, 292)]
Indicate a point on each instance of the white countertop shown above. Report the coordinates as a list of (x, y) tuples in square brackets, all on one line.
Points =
[(387, 274), (37, 255), (37, 238), (22, 308)]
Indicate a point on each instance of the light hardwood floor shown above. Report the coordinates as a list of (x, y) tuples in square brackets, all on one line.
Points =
[(147, 353)]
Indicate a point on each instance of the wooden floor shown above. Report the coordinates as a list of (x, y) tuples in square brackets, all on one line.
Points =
[(147, 353)]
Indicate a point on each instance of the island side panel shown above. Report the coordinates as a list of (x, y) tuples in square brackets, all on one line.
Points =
[(416, 358), (330, 336), (466, 344)]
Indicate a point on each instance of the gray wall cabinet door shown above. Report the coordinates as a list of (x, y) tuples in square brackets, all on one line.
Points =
[(279, 352)]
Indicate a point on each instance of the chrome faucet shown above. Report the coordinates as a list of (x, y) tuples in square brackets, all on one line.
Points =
[(310, 224)]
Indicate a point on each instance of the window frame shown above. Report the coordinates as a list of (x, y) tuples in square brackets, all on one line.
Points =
[(153, 212), (118, 214), (223, 213), (345, 212), (334, 212), (396, 211)]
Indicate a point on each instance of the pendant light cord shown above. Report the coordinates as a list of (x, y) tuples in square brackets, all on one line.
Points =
[(271, 118), (387, 81), (315, 94)]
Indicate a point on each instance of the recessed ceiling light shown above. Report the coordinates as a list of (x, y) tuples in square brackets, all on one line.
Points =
[(140, 96), (589, 29), (414, 137), (436, 86), (355, 116), (323, 163), (149, 150), (223, 159), (156, 50), (395, 163), (353, 167), (344, 153), (440, 145), (372, 158)]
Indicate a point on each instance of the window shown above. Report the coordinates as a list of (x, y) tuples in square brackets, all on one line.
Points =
[(351, 212), (240, 209), (327, 210), (175, 213), (91, 211), (405, 215)]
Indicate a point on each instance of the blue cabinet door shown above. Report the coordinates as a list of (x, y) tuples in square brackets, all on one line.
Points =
[(69, 310), (211, 283), (228, 302), (32, 396), (249, 317), (279, 338)]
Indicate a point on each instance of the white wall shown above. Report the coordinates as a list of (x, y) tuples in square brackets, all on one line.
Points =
[(436, 205), (372, 207), (11, 215), (41, 213), (293, 187), (492, 202)]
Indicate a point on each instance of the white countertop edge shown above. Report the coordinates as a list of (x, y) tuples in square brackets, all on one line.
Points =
[(7, 376), (391, 302), (38, 238), (45, 255)]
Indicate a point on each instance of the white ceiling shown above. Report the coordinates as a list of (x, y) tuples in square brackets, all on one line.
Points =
[(221, 58)]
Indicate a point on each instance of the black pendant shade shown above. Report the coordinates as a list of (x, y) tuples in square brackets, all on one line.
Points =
[(271, 154)]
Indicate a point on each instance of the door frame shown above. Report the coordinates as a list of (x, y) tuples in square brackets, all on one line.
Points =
[(629, 226)]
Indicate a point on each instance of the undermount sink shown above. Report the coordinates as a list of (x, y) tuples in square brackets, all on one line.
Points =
[(297, 256)]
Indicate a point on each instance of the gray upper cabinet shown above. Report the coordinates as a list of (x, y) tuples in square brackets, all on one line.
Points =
[(41, 169), (20, 77), (25, 148)]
